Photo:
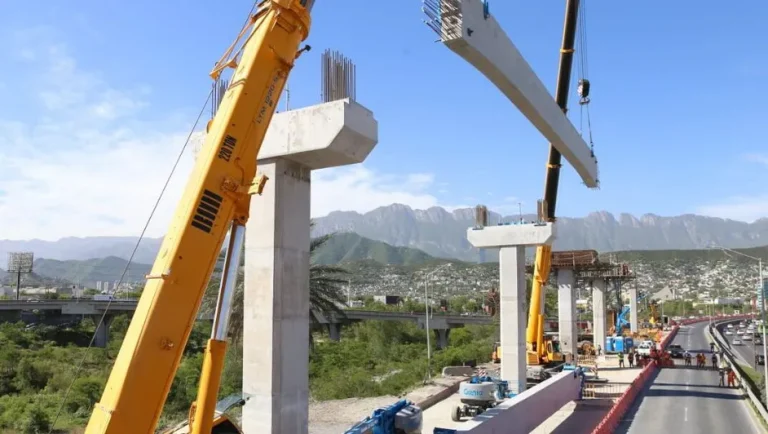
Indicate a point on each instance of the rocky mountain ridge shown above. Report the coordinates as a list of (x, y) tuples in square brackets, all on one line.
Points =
[(442, 233)]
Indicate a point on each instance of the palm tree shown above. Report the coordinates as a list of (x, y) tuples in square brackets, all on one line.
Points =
[(325, 291)]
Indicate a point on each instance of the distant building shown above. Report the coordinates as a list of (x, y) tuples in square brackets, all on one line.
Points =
[(104, 287), (98, 285), (729, 301), (388, 299)]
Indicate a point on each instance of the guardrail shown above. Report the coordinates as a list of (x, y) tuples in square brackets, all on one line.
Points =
[(722, 343)]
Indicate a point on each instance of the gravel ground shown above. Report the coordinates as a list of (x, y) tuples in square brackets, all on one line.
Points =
[(337, 416)]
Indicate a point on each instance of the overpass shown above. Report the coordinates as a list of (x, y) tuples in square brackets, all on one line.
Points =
[(67, 310), (440, 323)]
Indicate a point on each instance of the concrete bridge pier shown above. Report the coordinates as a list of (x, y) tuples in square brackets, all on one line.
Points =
[(633, 309), (512, 240), (566, 309), (102, 330), (442, 338), (334, 330), (598, 312), (276, 299)]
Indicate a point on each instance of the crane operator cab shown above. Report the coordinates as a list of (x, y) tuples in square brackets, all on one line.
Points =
[(222, 424), (553, 351)]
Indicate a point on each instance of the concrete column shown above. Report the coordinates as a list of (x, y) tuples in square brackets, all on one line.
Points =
[(598, 312), (566, 300), (633, 309), (512, 307), (102, 331), (442, 338), (276, 302), (334, 330)]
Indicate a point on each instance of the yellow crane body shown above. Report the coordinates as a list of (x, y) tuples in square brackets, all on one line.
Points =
[(216, 197)]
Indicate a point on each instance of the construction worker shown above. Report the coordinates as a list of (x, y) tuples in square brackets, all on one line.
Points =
[(731, 378), (621, 359), (687, 358), (722, 378), (714, 361), (631, 359)]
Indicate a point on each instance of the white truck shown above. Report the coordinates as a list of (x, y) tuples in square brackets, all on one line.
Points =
[(644, 349)]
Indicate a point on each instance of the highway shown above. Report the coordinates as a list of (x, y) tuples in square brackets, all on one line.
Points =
[(745, 352), (684, 400)]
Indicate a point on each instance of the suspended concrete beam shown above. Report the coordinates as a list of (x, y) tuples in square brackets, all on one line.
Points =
[(467, 28)]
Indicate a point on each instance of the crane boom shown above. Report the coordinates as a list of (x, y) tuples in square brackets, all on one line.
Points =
[(216, 197), (535, 329)]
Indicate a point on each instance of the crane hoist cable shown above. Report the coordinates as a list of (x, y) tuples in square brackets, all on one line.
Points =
[(79, 365)]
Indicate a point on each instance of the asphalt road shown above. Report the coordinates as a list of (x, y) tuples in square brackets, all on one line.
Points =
[(744, 352), (688, 400)]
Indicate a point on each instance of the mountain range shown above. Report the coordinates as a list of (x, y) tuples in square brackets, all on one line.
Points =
[(442, 233)]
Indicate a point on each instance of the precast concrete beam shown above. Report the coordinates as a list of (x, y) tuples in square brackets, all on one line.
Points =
[(469, 30), (276, 298), (526, 411), (533, 234)]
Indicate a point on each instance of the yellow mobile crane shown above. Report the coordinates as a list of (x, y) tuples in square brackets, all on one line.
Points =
[(216, 200), (540, 351)]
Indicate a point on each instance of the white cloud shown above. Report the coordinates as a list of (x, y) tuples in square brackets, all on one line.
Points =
[(757, 158), (747, 209), (86, 164)]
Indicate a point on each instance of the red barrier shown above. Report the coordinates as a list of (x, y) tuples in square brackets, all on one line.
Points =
[(619, 410)]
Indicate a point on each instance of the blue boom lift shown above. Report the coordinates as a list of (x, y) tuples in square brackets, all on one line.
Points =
[(402, 417)]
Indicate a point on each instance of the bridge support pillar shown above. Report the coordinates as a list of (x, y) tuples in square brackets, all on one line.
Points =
[(334, 330), (512, 240), (276, 299), (598, 312), (633, 309), (102, 330), (566, 308), (442, 338)]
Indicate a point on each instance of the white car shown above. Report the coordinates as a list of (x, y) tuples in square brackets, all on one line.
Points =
[(728, 332), (740, 332), (644, 349), (747, 337), (730, 326), (737, 342)]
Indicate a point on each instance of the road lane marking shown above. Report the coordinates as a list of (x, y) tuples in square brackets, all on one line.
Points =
[(686, 414)]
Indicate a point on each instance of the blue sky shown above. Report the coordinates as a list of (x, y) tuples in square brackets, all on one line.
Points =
[(99, 96)]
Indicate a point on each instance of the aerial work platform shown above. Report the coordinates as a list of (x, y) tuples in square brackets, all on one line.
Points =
[(468, 29)]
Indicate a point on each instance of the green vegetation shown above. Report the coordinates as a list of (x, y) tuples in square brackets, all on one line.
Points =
[(713, 254), (388, 358), (350, 247)]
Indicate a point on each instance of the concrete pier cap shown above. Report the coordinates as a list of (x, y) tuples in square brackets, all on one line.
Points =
[(321, 136), (532, 234)]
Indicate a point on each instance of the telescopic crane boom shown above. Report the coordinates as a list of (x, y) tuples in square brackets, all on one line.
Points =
[(537, 353), (216, 198)]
